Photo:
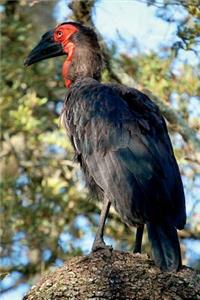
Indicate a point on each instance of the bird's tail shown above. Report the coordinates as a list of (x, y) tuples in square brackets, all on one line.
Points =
[(165, 246)]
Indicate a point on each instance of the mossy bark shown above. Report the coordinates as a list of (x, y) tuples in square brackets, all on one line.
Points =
[(113, 275)]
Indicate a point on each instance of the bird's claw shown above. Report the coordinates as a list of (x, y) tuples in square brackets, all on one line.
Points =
[(99, 244)]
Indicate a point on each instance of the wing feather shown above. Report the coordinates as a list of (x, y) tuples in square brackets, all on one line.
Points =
[(124, 144)]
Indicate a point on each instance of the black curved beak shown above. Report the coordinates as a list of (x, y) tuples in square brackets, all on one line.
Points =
[(46, 48)]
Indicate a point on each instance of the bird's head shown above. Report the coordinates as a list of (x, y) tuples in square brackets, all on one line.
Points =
[(80, 45)]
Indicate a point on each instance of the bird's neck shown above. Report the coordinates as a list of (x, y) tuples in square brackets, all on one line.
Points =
[(82, 62), (65, 73)]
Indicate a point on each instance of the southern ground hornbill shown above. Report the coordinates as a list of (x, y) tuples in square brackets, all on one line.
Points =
[(121, 142)]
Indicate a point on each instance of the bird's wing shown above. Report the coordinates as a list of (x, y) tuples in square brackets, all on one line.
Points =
[(124, 145)]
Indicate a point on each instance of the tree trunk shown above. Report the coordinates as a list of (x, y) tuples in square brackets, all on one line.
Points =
[(108, 274)]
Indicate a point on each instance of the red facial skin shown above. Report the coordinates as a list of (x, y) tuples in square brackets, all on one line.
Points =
[(62, 35)]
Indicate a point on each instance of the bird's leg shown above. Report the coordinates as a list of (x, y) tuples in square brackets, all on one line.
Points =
[(138, 239), (99, 242)]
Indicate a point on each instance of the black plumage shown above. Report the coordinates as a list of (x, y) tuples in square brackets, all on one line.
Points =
[(121, 142)]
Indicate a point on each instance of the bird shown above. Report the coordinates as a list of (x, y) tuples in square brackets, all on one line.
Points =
[(121, 142)]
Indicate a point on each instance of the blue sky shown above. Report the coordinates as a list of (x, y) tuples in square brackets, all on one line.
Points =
[(131, 19)]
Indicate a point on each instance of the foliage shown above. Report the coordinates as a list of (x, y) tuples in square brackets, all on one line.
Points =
[(187, 19), (42, 189), (41, 195)]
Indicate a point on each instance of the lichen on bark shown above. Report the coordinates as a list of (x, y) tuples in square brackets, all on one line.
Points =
[(108, 274)]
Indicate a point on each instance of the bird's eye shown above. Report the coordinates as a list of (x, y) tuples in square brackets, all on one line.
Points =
[(59, 33)]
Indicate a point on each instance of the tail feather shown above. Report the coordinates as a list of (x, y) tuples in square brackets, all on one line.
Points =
[(165, 246)]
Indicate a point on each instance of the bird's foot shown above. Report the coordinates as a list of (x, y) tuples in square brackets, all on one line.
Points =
[(137, 250), (99, 244)]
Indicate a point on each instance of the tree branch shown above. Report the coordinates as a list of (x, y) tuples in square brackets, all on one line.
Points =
[(115, 275)]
